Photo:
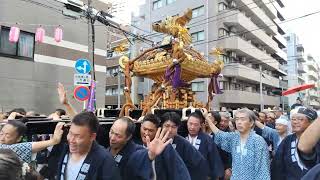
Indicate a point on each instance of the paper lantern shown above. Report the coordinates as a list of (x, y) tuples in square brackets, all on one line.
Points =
[(40, 33), (14, 34), (58, 34)]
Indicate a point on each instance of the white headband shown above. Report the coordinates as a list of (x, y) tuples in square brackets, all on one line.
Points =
[(282, 121)]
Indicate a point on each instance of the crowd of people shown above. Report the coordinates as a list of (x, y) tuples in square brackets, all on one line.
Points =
[(247, 145)]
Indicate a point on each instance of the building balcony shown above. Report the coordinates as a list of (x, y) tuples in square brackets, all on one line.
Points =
[(244, 48), (257, 15), (301, 80), (243, 23), (313, 93), (269, 8), (280, 40), (300, 58), (314, 103), (301, 68), (113, 100), (313, 75), (312, 66), (282, 55), (242, 72), (245, 97), (113, 81)]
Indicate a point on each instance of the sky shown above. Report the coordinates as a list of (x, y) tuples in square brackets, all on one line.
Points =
[(306, 28)]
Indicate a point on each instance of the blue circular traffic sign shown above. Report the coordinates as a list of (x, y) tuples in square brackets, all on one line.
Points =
[(82, 66), (81, 93)]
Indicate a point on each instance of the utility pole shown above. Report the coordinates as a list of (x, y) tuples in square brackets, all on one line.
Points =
[(282, 97), (119, 88), (261, 95), (91, 38)]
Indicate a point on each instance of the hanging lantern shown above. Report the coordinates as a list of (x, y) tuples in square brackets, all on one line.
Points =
[(58, 34), (14, 34), (40, 33)]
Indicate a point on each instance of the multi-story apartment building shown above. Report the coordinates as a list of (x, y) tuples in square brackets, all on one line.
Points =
[(30, 71), (312, 77), (295, 66), (248, 32)]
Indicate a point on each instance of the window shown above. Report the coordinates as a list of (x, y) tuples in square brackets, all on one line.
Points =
[(197, 36), (226, 59), (222, 32), (197, 11), (109, 53), (222, 6), (171, 1), (198, 86), (113, 71), (114, 91), (108, 92), (157, 4), (23, 49)]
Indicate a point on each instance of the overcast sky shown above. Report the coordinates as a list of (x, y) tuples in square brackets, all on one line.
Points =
[(306, 28)]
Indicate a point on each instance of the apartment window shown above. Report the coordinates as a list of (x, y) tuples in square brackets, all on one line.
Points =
[(108, 92), (157, 4), (222, 6), (171, 1), (226, 59), (222, 32), (109, 53), (198, 86), (197, 36), (114, 91), (113, 71), (232, 4), (23, 49), (196, 12)]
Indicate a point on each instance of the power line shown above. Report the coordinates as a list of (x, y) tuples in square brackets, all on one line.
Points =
[(236, 8), (248, 31), (43, 5)]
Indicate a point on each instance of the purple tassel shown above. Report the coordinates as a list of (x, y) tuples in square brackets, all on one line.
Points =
[(167, 74), (175, 79), (91, 101), (216, 88)]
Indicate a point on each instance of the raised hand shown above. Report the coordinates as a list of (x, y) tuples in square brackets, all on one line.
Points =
[(204, 112), (58, 131), (62, 94), (158, 144)]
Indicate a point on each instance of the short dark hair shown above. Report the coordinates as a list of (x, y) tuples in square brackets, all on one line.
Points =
[(10, 165), (171, 116), (131, 126), (61, 112), (87, 119), (153, 119), (21, 127), (18, 110), (216, 115), (198, 116)]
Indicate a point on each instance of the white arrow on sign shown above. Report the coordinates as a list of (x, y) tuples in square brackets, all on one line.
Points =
[(84, 68)]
